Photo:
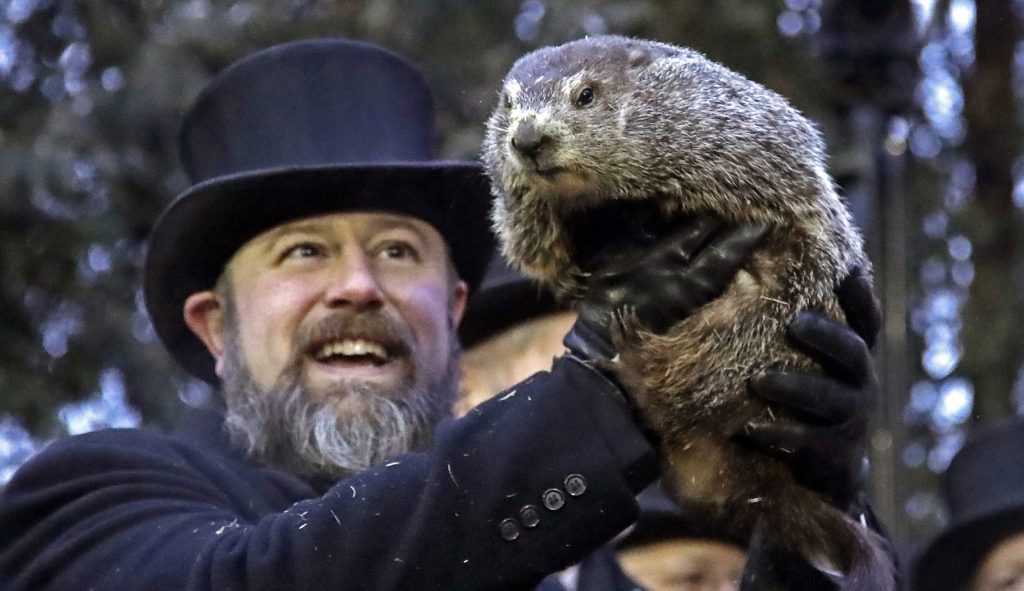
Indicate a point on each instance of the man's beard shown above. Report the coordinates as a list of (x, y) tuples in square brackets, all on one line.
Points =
[(347, 429)]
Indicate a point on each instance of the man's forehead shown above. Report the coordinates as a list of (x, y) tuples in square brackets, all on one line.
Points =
[(364, 224), (366, 221)]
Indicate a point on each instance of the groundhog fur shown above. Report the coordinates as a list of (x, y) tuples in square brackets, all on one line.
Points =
[(612, 119)]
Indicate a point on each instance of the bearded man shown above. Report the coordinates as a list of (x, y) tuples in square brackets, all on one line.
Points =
[(316, 271)]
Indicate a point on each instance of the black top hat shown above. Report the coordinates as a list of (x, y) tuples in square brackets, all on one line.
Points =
[(506, 297), (293, 131), (984, 491), (662, 519)]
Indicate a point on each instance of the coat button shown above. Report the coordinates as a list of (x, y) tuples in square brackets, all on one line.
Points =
[(554, 499), (509, 529), (575, 485), (529, 516)]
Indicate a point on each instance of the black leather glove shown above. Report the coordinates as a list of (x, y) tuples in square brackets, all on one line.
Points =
[(826, 444), (661, 283)]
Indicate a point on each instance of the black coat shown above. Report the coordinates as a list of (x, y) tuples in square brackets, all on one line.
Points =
[(134, 509)]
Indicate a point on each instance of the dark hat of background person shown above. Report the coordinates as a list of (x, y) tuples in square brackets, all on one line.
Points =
[(984, 492), (505, 298), (661, 519), (297, 130)]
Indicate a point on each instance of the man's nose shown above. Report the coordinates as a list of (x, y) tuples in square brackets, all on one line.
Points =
[(354, 282)]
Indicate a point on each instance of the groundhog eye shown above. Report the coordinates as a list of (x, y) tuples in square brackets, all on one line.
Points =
[(585, 97), (506, 100)]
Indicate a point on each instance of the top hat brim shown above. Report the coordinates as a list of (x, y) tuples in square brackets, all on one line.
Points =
[(660, 526), (948, 563), (662, 519), (203, 228)]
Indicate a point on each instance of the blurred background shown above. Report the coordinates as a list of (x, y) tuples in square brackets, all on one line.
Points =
[(919, 100)]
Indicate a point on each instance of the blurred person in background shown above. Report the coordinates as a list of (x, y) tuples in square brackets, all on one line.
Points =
[(982, 547), (512, 329), (668, 549)]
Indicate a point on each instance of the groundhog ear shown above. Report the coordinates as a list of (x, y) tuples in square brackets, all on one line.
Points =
[(638, 57)]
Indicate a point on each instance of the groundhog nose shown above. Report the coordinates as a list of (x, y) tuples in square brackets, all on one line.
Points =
[(527, 139)]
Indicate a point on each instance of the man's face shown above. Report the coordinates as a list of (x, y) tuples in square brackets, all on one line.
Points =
[(685, 565), (348, 317), (375, 272), (1002, 569)]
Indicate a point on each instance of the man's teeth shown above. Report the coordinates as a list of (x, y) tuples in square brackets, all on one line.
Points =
[(352, 348)]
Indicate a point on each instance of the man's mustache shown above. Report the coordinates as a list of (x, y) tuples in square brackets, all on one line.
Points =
[(374, 326)]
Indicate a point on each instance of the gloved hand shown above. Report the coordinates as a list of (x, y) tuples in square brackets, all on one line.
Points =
[(661, 283), (826, 444)]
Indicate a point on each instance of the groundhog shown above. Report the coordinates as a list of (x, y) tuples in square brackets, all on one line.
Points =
[(596, 127)]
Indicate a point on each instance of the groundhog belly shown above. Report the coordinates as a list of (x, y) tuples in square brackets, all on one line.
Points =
[(691, 385), (697, 472)]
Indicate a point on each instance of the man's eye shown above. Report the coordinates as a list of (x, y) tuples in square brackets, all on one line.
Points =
[(688, 581), (398, 251), (304, 250)]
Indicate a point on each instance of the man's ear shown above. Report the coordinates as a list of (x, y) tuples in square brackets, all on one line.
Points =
[(204, 315), (459, 297)]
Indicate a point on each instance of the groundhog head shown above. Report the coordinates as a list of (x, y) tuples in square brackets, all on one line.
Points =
[(559, 122), (612, 118)]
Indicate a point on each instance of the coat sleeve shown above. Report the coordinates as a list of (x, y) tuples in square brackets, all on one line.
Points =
[(528, 483)]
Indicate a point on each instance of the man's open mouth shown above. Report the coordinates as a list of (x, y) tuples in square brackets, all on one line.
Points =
[(352, 351)]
